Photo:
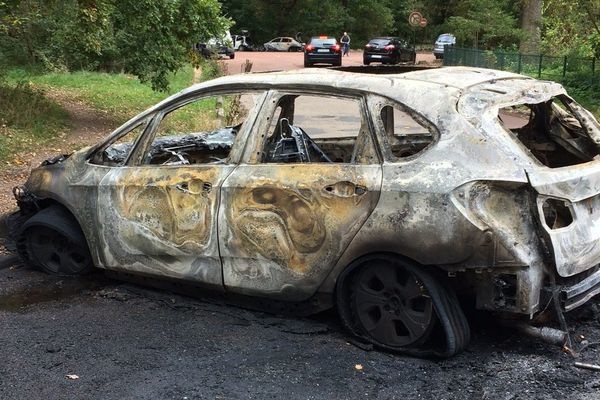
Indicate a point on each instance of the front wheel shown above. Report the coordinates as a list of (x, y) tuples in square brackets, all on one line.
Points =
[(53, 241)]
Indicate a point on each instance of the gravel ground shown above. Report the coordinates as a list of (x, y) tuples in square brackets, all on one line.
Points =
[(95, 338)]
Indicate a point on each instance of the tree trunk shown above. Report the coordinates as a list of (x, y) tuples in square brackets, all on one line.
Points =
[(531, 21)]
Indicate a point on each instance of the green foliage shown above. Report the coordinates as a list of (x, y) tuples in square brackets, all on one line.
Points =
[(484, 23), (267, 19), (147, 38), (571, 28), (27, 118), (119, 95)]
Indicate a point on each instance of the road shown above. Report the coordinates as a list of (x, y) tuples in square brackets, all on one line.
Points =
[(283, 61)]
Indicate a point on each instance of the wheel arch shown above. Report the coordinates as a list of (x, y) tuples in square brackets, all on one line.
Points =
[(47, 202), (452, 320)]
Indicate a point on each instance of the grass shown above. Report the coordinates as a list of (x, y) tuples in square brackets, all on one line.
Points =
[(118, 95), (27, 118)]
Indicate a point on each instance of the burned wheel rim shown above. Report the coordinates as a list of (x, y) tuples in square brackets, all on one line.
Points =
[(56, 252), (391, 305)]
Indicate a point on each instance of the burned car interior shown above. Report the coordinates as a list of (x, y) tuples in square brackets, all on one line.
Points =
[(301, 132), (551, 132), (198, 132)]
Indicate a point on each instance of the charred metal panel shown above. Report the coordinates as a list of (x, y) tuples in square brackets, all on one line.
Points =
[(576, 247), (283, 227), (162, 220)]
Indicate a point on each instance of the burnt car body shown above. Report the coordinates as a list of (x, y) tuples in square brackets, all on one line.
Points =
[(388, 50), (383, 195), (322, 50)]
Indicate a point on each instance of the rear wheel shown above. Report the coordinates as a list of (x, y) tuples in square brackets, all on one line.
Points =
[(401, 306), (307, 64), (53, 241), (392, 305), (366, 62), (232, 56)]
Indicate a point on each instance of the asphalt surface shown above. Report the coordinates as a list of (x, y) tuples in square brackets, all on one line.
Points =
[(97, 338)]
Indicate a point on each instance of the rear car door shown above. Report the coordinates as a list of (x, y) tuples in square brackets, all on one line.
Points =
[(159, 209), (309, 180)]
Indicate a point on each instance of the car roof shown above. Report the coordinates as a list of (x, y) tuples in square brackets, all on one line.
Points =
[(431, 92)]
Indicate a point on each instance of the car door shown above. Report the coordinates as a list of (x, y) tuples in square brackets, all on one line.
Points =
[(309, 180), (159, 210), (276, 44)]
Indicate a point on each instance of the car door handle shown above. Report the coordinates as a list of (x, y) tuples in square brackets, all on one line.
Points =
[(345, 189), (198, 188)]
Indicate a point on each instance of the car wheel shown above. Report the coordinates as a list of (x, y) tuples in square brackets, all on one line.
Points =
[(307, 64), (243, 48), (53, 241), (232, 56), (401, 306), (392, 306), (365, 62)]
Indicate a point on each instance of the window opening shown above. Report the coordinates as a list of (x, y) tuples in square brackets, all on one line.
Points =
[(406, 136), (314, 129), (551, 131)]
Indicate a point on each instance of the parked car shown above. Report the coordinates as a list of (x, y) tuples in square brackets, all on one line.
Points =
[(283, 44), (388, 50), (381, 195), (322, 50), (445, 39), (214, 49)]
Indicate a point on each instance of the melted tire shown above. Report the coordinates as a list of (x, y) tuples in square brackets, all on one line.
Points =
[(451, 321), (53, 241)]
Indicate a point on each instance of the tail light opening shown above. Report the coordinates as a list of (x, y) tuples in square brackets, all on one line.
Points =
[(309, 47), (336, 47)]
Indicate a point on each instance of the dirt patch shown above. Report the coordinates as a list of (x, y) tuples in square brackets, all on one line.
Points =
[(87, 127)]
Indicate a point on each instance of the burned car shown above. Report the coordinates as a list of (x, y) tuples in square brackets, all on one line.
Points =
[(388, 197)]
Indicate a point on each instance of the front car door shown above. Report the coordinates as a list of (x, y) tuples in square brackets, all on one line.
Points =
[(159, 209), (309, 180)]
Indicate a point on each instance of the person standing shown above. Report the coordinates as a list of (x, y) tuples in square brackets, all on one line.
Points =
[(345, 43)]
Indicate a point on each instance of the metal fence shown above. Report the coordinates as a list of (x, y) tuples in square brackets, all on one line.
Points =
[(536, 65)]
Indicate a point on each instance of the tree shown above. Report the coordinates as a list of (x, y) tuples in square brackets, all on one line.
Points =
[(484, 23), (531, 24), (571, 28), (147, 38)]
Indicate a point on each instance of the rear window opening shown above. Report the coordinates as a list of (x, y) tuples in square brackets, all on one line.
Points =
[(551, 131)]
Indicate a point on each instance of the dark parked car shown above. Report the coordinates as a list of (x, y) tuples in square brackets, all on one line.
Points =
[(323, 49), (209, 50), (388, 50)]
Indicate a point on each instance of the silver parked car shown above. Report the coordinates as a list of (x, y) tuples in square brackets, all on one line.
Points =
[(283, 44), (384, 196), (445, 39)]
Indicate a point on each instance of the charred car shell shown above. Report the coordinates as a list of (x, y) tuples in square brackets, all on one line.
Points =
[(446, 185)]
